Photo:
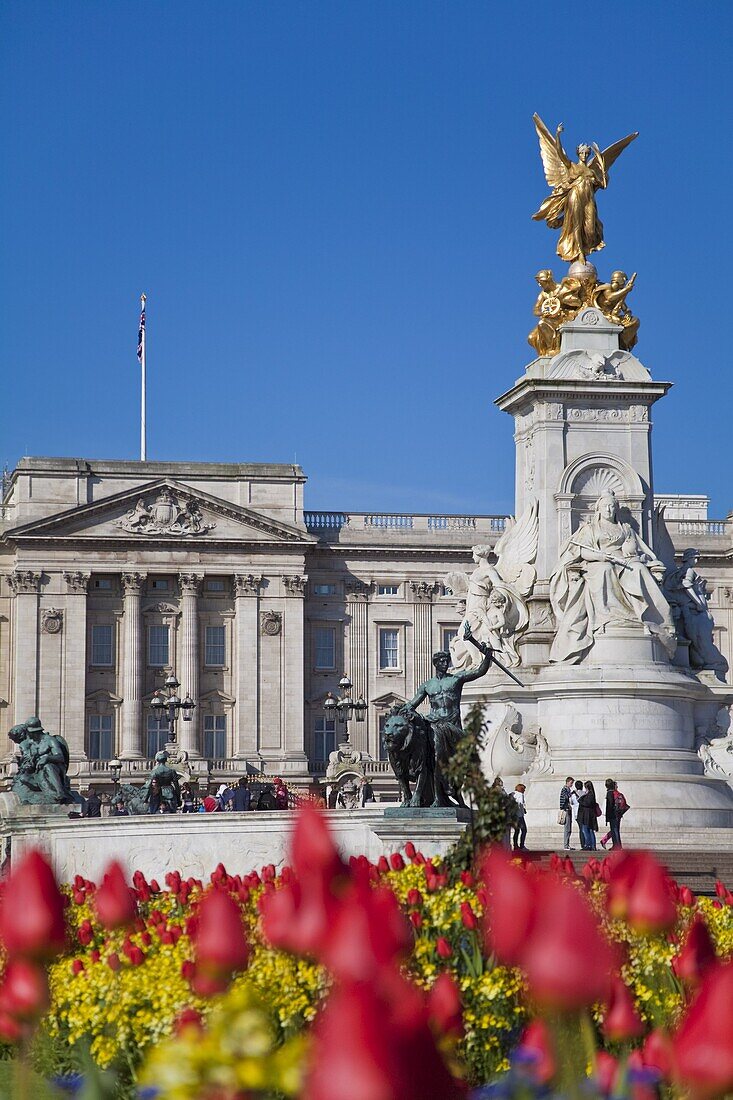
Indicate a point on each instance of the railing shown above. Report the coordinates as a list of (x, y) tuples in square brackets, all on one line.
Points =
[(700, 526), (328, 522)]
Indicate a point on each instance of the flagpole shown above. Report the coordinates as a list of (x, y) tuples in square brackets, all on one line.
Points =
[(143, 383)]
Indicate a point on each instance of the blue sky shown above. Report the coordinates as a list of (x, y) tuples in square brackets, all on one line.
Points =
[(328, 205)]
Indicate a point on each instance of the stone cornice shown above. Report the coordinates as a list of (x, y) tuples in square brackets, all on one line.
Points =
[(46, 528), (572, 389)]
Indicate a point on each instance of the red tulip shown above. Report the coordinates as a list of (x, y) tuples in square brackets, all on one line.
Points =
[(368, 932), (686, 896), (703, 1044), (536, 1047), (136, 956), (188, 1018), (638, 890), (606, 1072), (467, 878), (414, 897), (221, 946), (397, 862), (469, 918), (415, 919), (567, 959), (698, 954), (512, 910), (621, 1020), (410, 850), (85, 933), (382, 865), (32, 912), (444, 1005), (114, 900), (10, 1030), (657, 1052), (113, 961), (720, 889), (24, 992), (370, 1046), (443, 948), (77, 966)]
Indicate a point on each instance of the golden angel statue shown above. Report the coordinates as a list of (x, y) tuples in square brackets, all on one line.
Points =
[(496, 611), (572, 204)]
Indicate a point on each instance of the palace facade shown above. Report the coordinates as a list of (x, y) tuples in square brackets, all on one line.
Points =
[(116, 575)]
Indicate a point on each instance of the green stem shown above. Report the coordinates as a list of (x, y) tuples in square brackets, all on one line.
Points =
[(22, 1083), (567, 1049)]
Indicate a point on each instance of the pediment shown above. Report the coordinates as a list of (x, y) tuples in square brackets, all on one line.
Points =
[(163, 511), (389, 699)]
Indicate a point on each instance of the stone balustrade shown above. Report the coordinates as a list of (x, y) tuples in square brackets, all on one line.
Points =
[(364, 527)]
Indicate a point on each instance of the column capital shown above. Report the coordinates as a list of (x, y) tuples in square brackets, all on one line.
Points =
[(132, 583), (190, 583), (358, 590), (247, 584), (23, 581), (76, 581), (424, 591), (294, 585)]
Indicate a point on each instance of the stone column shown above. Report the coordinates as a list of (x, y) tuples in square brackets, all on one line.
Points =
[(25, 584), (73, 711), (422, 656), (132, 669), (357, 668), (292, 743), (188, 731), (245, 662)]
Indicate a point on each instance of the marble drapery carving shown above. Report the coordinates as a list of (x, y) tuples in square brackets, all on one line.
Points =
[(607, 576)]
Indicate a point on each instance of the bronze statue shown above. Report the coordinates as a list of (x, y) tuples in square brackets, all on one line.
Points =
[(44, 762), (409, 744), (444, 690), (572, 205), (167, 780)]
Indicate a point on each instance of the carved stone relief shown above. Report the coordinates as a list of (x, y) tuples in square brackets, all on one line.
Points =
[(167, 515), (358, 590), (295, 585), (424, 591), (246, 584), (271, 623), (132, 583), (52, 620), (77, 581), (24, 581)]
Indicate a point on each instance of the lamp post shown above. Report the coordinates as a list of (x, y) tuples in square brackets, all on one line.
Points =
[(343, 707), (167, 704), (115, 766)]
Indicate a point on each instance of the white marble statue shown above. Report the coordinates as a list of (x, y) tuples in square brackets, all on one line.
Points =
[(687, 592), (496, 611), (607, 576)]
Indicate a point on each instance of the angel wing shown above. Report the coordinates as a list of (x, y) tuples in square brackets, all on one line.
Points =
[(603, 159), (516, 551), (554, 158), (662, 545), (457, 582)]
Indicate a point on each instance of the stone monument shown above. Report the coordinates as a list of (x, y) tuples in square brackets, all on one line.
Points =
[(612, 637)]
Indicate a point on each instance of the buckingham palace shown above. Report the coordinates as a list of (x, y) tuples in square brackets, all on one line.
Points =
[(116, 575)]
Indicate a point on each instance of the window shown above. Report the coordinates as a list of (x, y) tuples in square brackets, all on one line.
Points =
[(449, 633), (324, 737), (157, 735), (324, 589), (160, 584), (102, 644), (215, 736), (324, 639), (215, 646), (158, 646), (100, 737), (214, 584), (103, 583), (389, 648), (388, 589)]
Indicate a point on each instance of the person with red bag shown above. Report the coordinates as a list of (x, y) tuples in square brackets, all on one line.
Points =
[(616, 807)]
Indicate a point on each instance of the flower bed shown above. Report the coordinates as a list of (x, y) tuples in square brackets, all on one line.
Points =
[(397, 980)]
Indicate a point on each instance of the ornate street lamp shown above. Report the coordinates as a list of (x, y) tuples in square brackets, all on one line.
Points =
[(344, 707), (115, 766), (168, 704)]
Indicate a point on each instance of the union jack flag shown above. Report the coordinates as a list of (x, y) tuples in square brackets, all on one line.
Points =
[(141, 335)]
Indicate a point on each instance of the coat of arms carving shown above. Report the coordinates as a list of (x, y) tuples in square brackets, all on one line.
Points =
[(167, 515)]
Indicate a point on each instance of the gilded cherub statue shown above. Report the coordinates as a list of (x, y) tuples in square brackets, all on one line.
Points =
[(611, 299), (572, 206)]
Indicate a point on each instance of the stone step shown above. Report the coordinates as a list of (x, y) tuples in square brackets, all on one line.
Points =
[(698, 870)]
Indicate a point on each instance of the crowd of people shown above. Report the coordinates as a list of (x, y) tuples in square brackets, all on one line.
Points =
[(579, 806)]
